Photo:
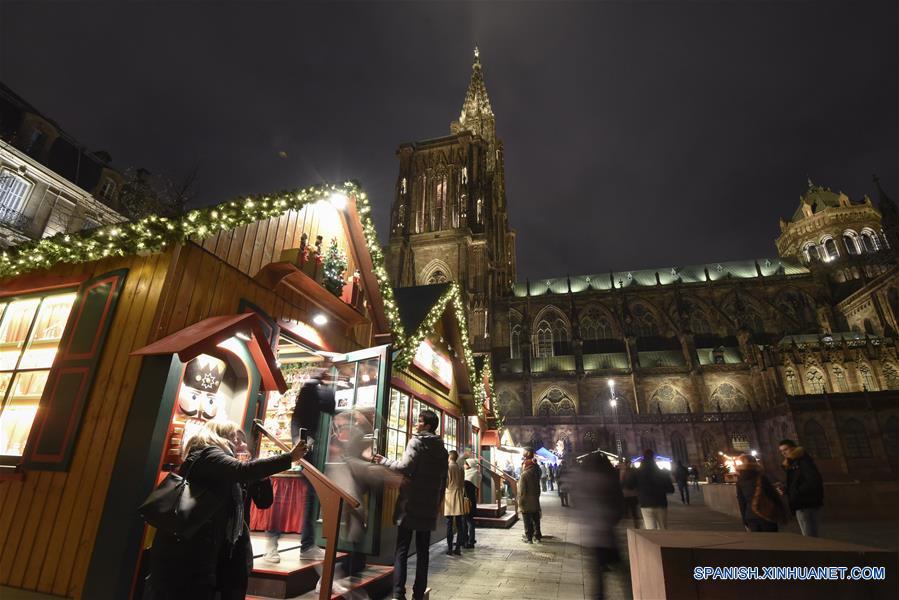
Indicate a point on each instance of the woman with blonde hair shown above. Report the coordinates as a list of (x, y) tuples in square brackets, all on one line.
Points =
[(215, 558)]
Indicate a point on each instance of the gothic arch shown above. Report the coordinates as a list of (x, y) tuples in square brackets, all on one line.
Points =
[(551, 332), (596, 314), (679, 447), (646, 319), (667, 399), (866, 378), (516, 330), (709, 445), (729, 397), (555, 402), (434, 270), (754, 314), (855, 439)]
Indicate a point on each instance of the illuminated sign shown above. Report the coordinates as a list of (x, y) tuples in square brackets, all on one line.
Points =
[(434, 363)]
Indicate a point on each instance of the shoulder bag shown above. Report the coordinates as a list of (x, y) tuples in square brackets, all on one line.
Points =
[(179, 507)]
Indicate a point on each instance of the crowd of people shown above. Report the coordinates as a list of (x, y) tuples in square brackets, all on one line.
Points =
[(216, 562)]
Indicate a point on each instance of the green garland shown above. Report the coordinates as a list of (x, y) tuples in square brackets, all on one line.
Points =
[(410, 345), (154, 234)]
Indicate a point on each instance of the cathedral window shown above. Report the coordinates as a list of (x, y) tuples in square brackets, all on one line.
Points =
[(739, 442), (728, 398), (515, 341), (855, 439), (403, 185), (839, 379), (815, 440), (709, 449), (678, 447), (850, 240), (815, 381), (437, 276), (464, 175), (699, 324), (870, 241), (666, 399), (441, 217), (830, 249), (544, 338), (479, 210), (811, 252), (792, 383), (867, 378)]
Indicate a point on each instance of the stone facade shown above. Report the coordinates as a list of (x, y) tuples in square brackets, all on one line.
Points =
[(720, 357)]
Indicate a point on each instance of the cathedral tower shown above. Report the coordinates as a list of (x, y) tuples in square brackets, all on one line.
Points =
[(449, 220)]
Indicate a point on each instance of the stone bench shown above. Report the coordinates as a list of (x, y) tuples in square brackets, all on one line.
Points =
[(662, 565)]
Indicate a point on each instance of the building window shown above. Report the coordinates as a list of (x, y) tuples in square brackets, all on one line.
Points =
[(13, 192), (855, 439), (397, 424), (515, 341), (811, 252), (451, 432), (815, 440), (107, 193), (30, 332), (544, 337), (839, 379), (850, 240), (708, 445), (437, 276), (815, 381), (867, 378), (739, 442), (870, 241), (830, 249)]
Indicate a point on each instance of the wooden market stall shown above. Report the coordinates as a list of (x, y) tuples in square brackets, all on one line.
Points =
[(116, 342)]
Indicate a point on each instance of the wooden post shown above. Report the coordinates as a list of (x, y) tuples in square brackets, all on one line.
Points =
[(331, 499)]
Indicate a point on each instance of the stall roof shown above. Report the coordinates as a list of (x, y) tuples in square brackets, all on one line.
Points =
[(204, 336), (414, 303)]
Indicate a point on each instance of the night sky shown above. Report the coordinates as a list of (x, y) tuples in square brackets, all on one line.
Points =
[(637, 134)]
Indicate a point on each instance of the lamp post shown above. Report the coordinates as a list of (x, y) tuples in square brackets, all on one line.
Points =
[(613, 402)]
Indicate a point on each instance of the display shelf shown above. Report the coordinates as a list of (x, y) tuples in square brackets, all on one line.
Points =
[(285, 273)]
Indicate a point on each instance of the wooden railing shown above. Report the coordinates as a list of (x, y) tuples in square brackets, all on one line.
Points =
[(331, 498), (499, 475)]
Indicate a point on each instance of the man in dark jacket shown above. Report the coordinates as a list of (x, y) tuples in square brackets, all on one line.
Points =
[(805, 488), (652, 485), (680, 476), (529, 498), (424, 464)]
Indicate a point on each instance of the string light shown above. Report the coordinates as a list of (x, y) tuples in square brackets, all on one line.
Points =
[(154, 233)]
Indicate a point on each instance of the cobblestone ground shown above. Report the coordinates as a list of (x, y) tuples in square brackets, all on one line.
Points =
[(503, 567)]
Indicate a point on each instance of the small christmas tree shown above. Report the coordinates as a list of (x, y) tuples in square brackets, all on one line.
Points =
[(334, 267)]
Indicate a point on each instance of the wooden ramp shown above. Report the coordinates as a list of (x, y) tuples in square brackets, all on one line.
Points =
[(494, 517)]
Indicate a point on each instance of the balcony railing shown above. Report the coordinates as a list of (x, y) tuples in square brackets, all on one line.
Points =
[(13, 218), (553, 363)]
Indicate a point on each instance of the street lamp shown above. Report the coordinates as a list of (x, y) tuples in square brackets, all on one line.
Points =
[(613, 402)]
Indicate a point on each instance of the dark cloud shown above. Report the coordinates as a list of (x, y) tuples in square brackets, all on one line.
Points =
[(637, 134)]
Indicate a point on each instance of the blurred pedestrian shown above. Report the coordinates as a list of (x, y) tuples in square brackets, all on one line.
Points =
[(631, 506), (680, 476), (694, 477), (529, 498), (652, 485), (551, 479), (760, 505), (598, 503), (563, 484), (472, 484), (454, 505), (544, 476)]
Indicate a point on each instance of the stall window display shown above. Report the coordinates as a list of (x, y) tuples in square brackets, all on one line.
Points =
[(30, 333), (418, 406), (397, 424), (451, 432)]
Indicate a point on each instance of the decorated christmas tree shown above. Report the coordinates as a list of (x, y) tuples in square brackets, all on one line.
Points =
[(334, 267)]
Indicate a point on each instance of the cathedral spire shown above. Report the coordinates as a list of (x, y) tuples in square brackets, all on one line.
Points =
[(477, 114)]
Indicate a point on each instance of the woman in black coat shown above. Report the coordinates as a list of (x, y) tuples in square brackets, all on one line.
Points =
[(762, 513), (196, 568)]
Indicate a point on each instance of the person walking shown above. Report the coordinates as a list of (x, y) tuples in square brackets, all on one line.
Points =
[(544, 476), (680, 476), (215, 559), (472, 485), (805, 487), (652, 486), (563, 484), (631, 508), (508, 469), (759, 502), (694, 477), (551, 479), (454, 505), (425, 465), (529, 498), (598, 506)]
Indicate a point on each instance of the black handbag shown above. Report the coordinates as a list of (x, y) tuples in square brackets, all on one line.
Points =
[(179, 507)]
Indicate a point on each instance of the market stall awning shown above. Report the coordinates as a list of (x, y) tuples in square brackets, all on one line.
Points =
[(546, 455), (204, 337)]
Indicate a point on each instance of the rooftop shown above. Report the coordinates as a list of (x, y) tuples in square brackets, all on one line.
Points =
[(745, 269)]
